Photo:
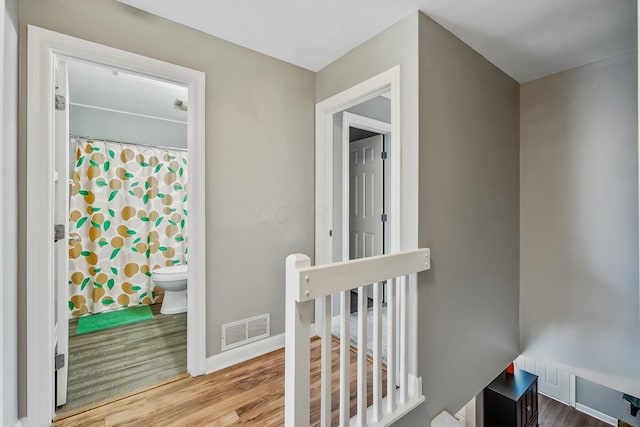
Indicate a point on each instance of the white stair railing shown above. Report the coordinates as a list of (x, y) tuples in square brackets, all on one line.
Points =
[(306, 284)]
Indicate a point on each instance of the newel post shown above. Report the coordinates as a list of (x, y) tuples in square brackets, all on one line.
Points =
[(298, 318)]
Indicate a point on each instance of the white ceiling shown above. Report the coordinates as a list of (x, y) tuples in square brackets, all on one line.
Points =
[(101, 87), (525, 38)]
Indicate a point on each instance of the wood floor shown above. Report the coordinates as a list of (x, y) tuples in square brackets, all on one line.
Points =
[(247, 394), (113, 362), (555, 414)]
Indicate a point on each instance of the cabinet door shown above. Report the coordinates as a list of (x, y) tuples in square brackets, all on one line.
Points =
[(530, 404)]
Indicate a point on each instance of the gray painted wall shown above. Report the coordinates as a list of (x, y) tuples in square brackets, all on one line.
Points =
[(378, 108), (116, 126), (9, 160), (605, 400), (579, 222), (469, 168), (259, 150), (468, 163), (398, 44)]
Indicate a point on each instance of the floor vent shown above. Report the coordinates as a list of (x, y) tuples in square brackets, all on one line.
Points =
[(245, 331)]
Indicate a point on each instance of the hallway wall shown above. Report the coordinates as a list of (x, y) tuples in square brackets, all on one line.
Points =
[(259, 151), (579, 303)]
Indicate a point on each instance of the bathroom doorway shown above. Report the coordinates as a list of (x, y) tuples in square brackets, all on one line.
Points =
[(127, 221), (47, 142)]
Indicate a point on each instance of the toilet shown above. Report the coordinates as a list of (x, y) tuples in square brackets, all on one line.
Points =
[(174, 282)]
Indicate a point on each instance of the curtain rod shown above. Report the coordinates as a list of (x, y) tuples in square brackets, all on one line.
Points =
[(166, 147)]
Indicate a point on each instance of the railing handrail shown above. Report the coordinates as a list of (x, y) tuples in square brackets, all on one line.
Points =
[(323, 280), (308, 287)]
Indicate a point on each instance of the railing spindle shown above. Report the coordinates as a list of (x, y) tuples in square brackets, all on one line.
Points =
[(391, 344), (377, 351), (325, 359), (345, 357), (362, 357), (404, 362)]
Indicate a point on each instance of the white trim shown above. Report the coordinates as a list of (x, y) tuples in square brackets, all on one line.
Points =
[(324, 280), (369, 89), (43, 46), (597, 414), (128, 113), (364, 123), (572, 389), (564, 402), (18, 423), (244, 353), (2, 197)]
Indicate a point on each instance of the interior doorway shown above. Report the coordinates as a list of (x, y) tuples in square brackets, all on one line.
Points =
[(366, 139), (121, 162), (45, 50), (366, 174)]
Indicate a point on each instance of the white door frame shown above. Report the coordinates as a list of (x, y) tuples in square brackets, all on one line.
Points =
[(364, 123), (387, 81), (43, 46), (2, 142)]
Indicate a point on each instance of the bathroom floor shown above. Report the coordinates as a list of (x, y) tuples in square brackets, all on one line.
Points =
[(117, 361)]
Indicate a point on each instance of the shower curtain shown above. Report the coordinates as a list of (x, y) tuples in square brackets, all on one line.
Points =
[(128, 212)]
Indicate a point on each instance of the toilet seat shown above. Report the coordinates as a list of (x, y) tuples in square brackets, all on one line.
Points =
[(175, 272)]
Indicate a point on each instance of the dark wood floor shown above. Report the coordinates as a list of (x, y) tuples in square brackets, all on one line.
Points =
[(113, 362), (555, 414), (248, 394)]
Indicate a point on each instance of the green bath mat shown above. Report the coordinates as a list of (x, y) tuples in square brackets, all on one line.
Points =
[(113, 319)]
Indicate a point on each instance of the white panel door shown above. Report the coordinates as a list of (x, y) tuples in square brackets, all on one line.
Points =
[(366, 198), (61, 156), (553, 381)]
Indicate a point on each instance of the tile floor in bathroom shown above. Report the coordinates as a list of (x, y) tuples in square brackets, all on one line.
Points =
[(113, 362)]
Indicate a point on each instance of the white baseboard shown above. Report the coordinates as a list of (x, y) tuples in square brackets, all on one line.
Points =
[(597, 414), (246, 352), (555, 398), (18, 423)]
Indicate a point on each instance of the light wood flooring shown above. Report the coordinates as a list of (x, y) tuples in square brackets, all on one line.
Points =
[(247, 394), (555, 414), (113, 362)]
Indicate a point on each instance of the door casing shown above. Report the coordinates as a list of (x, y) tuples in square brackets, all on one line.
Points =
[(385, 82), (43, 48), (61, 216)]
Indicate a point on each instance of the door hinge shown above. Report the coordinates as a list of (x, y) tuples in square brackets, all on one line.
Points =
[(383, 217), (384, 155), (60, 362), (61, 103), (58, 232), (330, 233)]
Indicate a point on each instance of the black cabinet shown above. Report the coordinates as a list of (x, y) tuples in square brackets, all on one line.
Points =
[(511, 400)]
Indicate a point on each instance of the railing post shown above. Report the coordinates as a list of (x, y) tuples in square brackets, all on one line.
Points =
[(298, 318)]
